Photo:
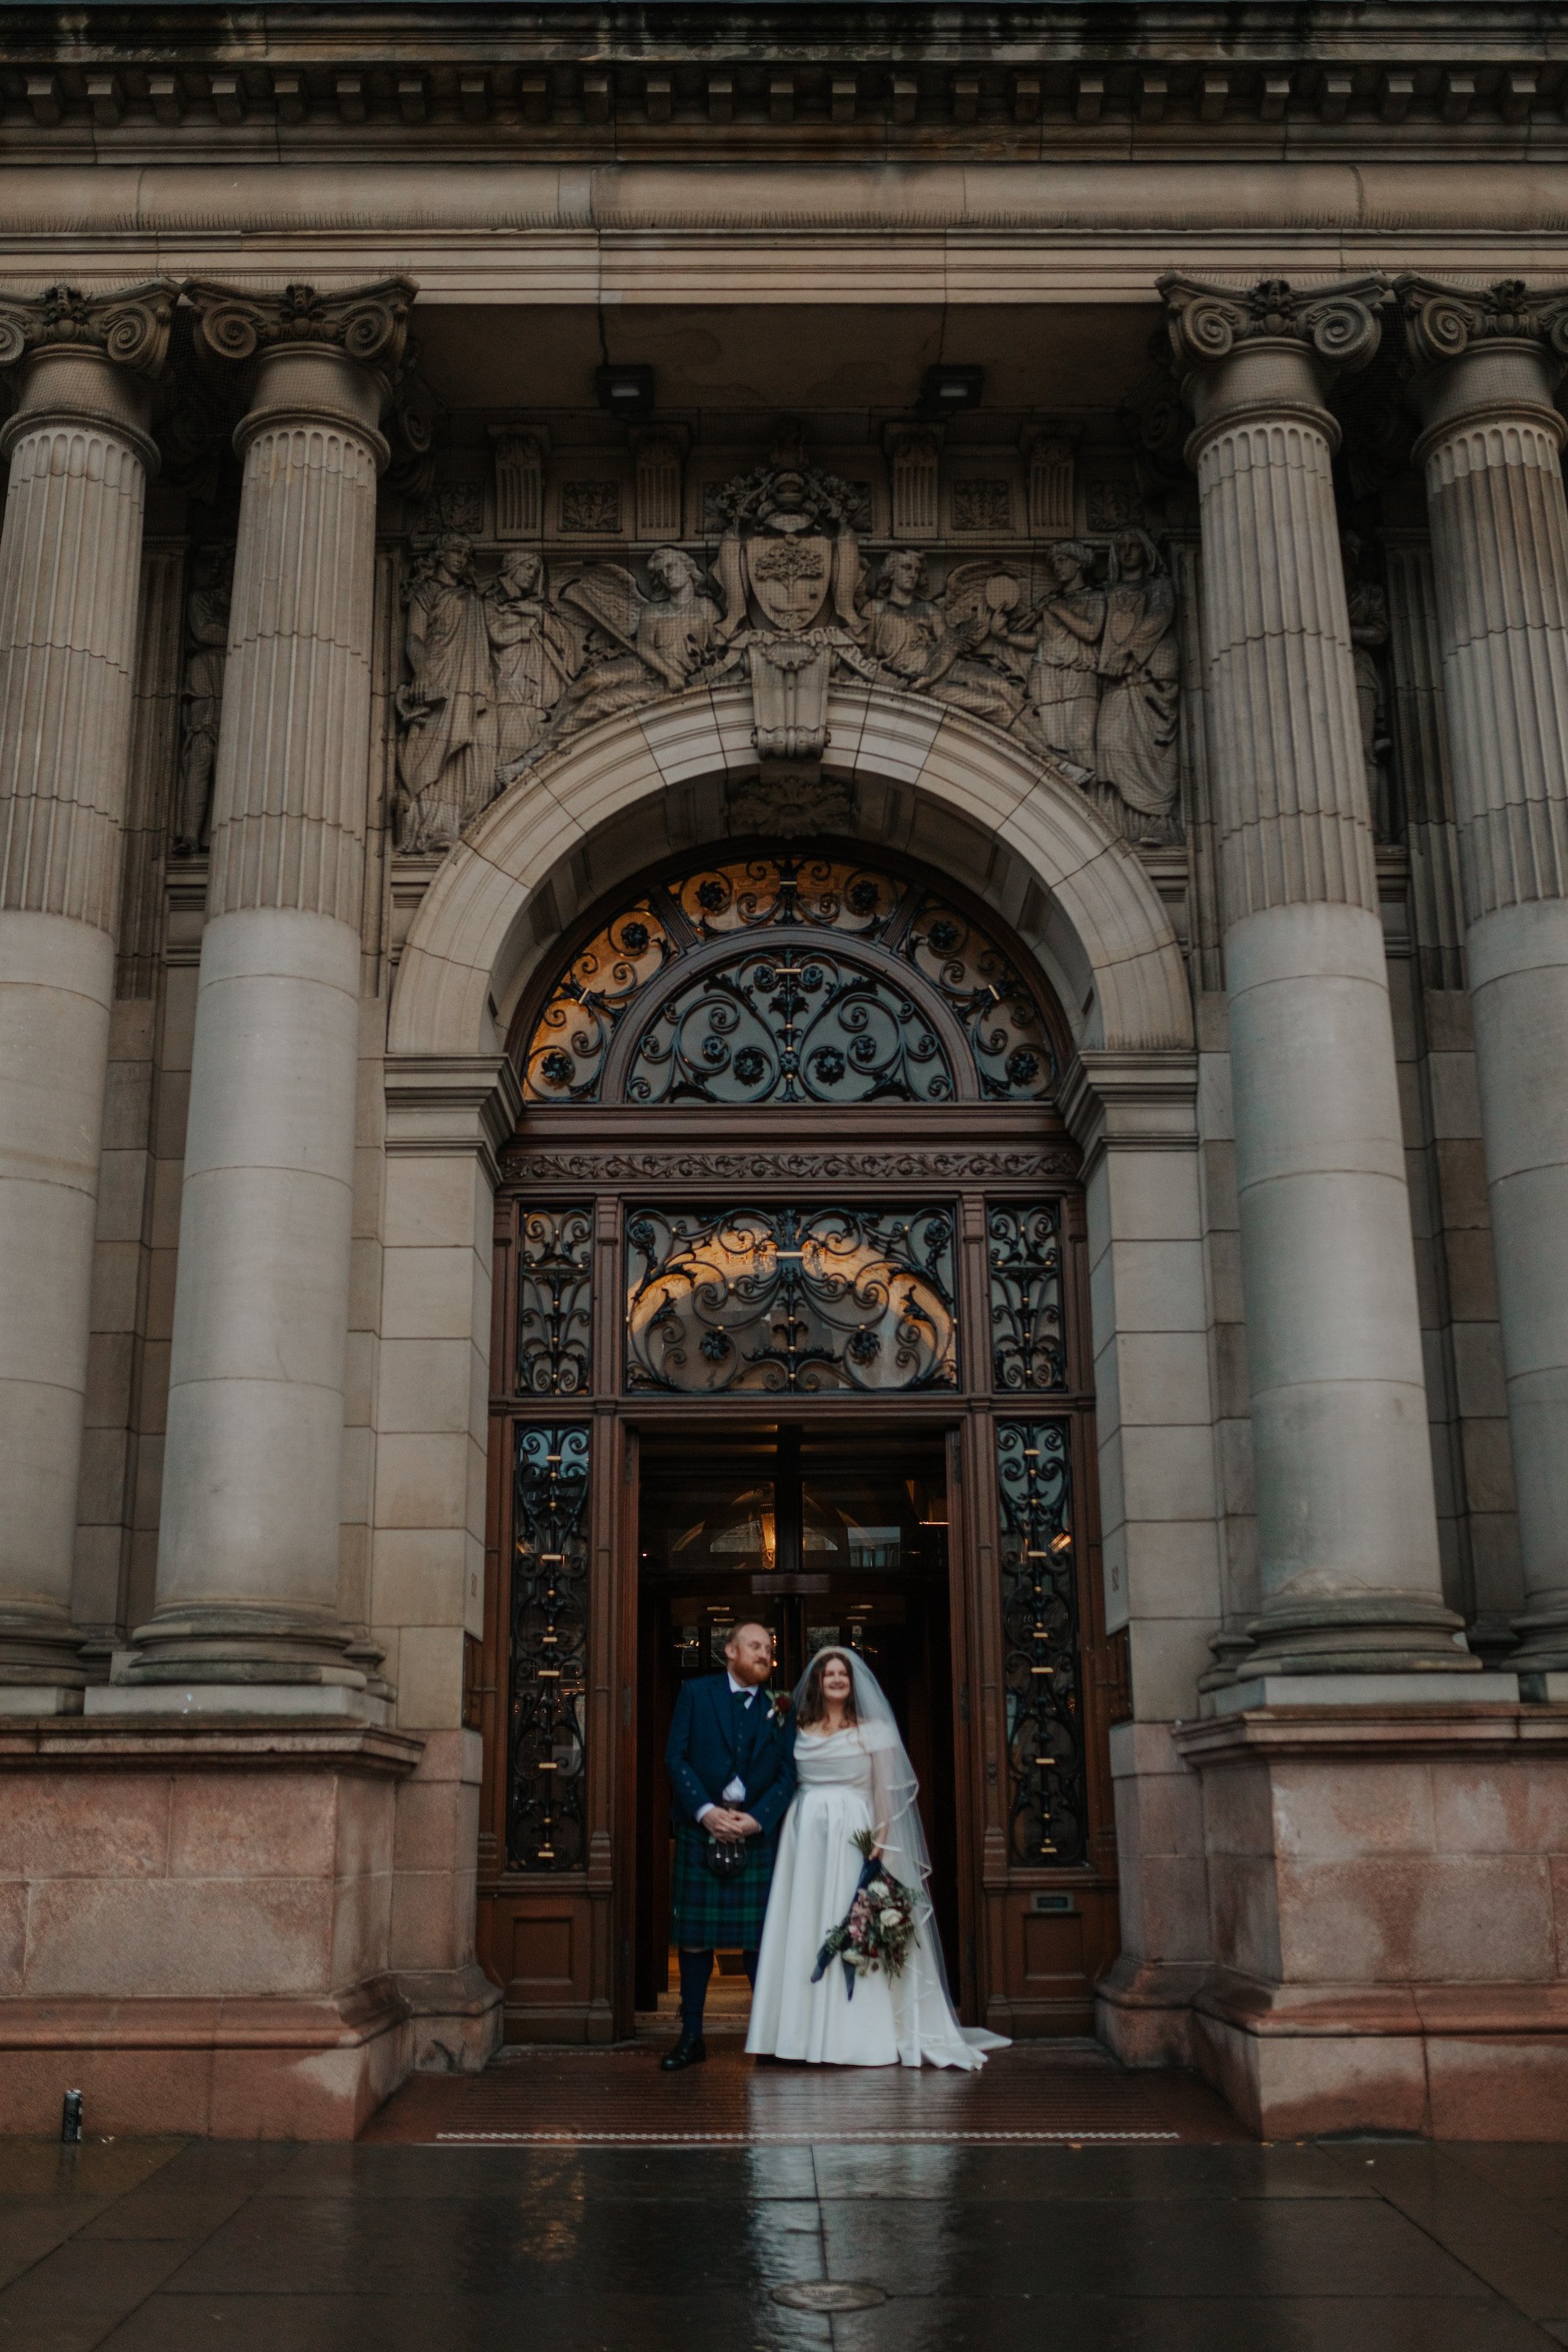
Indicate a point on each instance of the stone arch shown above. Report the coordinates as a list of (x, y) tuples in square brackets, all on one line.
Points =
[(901, 771)]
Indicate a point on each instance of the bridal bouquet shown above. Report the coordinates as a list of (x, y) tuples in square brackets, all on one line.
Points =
[(877, 1930)]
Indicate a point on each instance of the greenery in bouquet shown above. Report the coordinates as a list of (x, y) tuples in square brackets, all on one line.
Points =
[(877, 1929)]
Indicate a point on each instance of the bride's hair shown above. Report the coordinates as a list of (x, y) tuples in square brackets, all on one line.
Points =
[(813, 1707)]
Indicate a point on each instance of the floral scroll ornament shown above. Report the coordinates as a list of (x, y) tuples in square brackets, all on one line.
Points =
[(368, 324), (1443, 322), (130, 328), (1339, 325)]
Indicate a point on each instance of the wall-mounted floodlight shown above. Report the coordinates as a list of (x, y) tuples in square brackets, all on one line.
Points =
[(948, 388), (625, 391)]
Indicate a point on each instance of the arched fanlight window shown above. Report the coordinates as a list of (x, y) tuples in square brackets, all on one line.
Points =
[(779, 979)]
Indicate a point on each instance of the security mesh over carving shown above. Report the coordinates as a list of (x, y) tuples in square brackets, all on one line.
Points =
[(1025, 1249), (848, 984), (773, 1299), (546, 1821), (555, 1301), (1047, 1796)]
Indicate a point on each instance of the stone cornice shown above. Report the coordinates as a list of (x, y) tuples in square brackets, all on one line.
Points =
[(130, 328), (590, 79)]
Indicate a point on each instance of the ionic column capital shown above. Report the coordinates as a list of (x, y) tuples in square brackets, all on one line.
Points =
[(89, 359), (1267, 349), (1500, 350), (316, 358)]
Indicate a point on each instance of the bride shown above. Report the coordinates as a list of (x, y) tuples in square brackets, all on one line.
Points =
[(852, 1774)]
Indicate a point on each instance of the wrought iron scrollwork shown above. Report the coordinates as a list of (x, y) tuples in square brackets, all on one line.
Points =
[(812, 1300), (801, 1027), (555, 1301), (1041, 1673), (546, 1796), (1028, 1350), (841, 1012)]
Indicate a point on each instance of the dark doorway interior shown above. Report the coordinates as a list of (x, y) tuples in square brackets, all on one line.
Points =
[(823, 1540)]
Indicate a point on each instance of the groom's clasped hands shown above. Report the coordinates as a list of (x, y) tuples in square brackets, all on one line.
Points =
[(726, 1821)]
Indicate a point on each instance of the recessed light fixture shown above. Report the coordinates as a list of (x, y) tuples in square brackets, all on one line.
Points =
[(625, 391), (948, 388)]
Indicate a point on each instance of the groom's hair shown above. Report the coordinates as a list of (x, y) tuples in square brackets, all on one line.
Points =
[(746, 1625)]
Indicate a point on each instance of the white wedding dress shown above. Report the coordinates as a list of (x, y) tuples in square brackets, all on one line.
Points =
[(848, 1780)]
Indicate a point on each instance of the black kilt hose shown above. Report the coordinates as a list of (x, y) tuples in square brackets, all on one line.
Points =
[(706, 1911)]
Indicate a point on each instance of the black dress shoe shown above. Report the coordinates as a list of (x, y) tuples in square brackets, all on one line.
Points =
[(690, 2051)]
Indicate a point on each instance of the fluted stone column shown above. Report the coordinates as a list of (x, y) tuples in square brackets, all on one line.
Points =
[(1489, 365), (1347, 1526), (248, 1559), (70, 554)]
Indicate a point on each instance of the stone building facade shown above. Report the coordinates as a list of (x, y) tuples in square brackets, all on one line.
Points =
[(785, 825)]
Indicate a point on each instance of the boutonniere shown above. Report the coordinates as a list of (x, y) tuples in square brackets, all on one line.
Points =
[(778, 1709)]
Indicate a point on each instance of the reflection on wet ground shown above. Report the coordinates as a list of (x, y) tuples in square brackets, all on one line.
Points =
[(172, 2246)]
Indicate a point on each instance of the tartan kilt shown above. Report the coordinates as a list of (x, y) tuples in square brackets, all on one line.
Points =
[(708, 1912)]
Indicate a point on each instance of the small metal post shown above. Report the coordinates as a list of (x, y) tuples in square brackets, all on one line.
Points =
[(70, 2118)]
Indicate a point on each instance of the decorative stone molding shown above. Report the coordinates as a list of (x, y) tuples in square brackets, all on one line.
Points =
[(519, 455), (1443, 322), (368, 324), (466, 1103), (660, 452), (914, 454), (1334, 329), (130, 328), (1048, 454), (994, 1164)]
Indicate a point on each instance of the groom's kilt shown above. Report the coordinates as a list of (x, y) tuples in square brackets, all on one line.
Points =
[(709, 1911)]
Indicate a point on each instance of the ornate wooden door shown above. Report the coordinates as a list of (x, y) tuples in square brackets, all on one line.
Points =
[(791, 1167)]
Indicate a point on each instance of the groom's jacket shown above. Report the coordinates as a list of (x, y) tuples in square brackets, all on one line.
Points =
[(711, 1742)]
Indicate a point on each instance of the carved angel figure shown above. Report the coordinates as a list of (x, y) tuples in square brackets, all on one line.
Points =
[(637, 646), (535, 654), (446, 758), (201, 695), (1135, 737)]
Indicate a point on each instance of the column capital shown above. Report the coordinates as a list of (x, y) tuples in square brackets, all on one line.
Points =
[(1499, 350), (93, 357), (1270, 348), (315, 354)]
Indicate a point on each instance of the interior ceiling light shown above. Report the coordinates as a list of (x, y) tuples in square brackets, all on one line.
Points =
[(625, 391), (950, 386)]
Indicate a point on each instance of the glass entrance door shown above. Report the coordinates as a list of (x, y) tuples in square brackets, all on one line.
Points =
[(823, 1540)]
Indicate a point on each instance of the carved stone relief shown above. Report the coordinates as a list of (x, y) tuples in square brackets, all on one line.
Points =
[(1368, 603), (1073, 650), (200, 693)]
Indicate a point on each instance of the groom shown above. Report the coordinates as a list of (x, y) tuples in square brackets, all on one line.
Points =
[(731, 1768)]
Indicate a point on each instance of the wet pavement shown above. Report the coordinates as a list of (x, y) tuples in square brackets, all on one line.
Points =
[(172, 2246)]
